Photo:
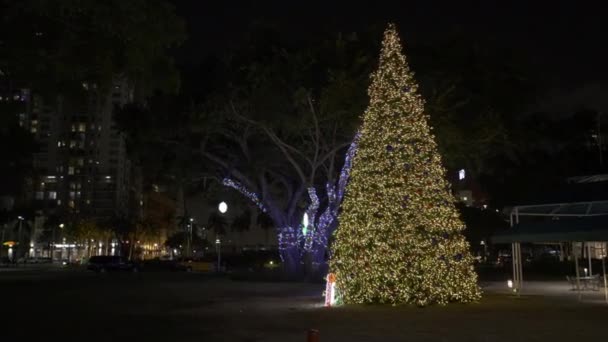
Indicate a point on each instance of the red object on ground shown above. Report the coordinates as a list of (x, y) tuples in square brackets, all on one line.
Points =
[(313, 335)]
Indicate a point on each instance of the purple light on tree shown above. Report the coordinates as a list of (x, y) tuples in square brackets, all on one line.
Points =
[(293, 244)]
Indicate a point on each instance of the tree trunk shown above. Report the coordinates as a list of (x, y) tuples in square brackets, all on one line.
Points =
[(292, 265), (289, 250)]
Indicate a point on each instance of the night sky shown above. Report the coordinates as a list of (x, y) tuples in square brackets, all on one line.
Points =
[(563, 42)]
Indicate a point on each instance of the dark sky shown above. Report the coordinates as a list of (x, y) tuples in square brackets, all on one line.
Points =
[(564, 41)]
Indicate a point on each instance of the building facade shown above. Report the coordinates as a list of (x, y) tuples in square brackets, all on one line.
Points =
[(81, 166)]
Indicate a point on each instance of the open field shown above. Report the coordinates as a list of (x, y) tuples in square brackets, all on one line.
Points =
[(193, 307)]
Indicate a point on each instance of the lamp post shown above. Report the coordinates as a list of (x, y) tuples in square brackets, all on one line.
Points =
[(223, 208), (218, 249), (19, 236), (61, 225), (485, 250), (190, 236)]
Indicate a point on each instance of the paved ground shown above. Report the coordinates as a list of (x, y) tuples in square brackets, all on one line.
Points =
[(75, 305)]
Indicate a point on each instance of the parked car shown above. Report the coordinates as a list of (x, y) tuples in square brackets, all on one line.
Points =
[(197, 265), (39, 260), (103, 263), (159, 265)]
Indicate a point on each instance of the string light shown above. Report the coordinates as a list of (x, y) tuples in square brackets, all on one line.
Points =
[(335, 192), (243, 190), (315, 240), (399, 238)]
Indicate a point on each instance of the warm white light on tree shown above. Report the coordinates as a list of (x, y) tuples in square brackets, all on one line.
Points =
[(399, 238)]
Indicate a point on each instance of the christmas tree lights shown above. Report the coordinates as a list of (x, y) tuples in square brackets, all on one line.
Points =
[(399, 238)]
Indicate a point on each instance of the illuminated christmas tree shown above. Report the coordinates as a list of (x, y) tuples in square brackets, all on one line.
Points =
[(400, 238)]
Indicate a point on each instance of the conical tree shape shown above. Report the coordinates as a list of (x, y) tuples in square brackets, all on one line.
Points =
[(400, 236)]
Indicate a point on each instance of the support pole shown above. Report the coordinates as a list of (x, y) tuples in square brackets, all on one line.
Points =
[(520, 278), (605, 283), (514, 265), (517, 266), (589, 257), (578, 279)]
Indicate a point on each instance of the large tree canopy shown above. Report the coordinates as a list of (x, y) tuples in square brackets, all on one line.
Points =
[(57, 45)]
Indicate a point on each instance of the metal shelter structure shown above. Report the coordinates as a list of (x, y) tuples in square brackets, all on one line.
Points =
[(563, 222)]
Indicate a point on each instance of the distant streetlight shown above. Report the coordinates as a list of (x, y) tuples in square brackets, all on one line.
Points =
[(52, 247), (20, 235), (218, 248), (223, 207), (189, 237)]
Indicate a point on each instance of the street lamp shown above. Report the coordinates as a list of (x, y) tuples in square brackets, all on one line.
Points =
[(61, 225), (223, 208), (218, 247), (189, 237), (19, 235)]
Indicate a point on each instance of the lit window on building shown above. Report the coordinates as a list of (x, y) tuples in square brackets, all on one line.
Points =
[(58, 202), (72, 194), (59, 143), (81, 161), (33, 129), (73, 127), (52, 195), (71, 204), (72, 143), (39, 195), (70, 170), (82, 127)]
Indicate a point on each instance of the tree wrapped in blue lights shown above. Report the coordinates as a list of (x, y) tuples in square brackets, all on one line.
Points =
[(400, 236), (295, 240)]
